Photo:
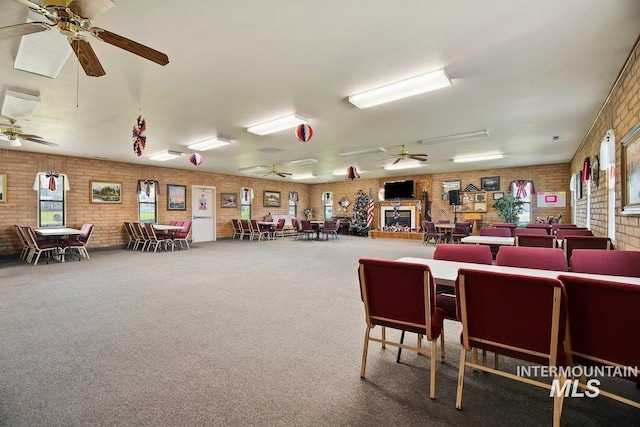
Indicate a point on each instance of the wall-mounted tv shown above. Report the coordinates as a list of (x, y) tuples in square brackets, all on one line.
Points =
[(399, 190)]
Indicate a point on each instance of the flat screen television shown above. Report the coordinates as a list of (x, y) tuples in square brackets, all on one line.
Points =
[(399, 190)]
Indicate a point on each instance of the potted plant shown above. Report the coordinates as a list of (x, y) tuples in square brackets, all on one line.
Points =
[(509, 207)]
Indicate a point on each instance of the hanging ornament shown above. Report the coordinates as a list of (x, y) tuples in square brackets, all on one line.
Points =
[(139, 135), (195, 159), (304, 132), (352, 173)]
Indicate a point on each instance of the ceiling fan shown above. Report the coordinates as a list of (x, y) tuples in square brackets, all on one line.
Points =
[(274, 171), (405, 154), (13, 133), (73, 16)]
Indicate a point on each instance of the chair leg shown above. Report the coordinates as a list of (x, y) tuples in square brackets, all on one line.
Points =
[(442, 344), (434, 355), (364, 352), (400, 348), (463, 356)]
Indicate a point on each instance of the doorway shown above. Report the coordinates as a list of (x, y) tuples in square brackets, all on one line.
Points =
[(203, 213)]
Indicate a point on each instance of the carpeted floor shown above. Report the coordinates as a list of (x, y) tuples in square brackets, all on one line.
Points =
[(236, 333)]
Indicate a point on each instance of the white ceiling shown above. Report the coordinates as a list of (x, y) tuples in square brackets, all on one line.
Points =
[(525, 70)]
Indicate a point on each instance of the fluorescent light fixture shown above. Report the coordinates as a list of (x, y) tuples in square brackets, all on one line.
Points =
[(276, 125), (304, 176), (363, 152), (344, 171), (15, 143), (208, 144), (403, 166), (165, 155), (457, 137), (478, 158), (254, 168), (307, 161), (18, 105), (402, 89)]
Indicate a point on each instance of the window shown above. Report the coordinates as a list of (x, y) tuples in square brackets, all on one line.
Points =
[(293, 198), (246, 195), (524, 194), (328, 204), (51, 200), (147, 206)]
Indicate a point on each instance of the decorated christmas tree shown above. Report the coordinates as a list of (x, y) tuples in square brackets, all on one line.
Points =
[(358, 221)]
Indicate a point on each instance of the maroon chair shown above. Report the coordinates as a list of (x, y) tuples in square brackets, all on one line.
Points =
[(529, 231), (507, 225), (532, 257), (584, 242), (400, 296), (564, 232), (546, 227), (431, 233), (79, 242), (237, 229), (497, 232), (523, 317), (602, 326), (461, 230), (558, 226), (327, 229), (536, 240), (181, 235), (604, 261), (278, 230)]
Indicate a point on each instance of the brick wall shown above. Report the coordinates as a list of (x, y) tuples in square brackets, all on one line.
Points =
[(620, 112)]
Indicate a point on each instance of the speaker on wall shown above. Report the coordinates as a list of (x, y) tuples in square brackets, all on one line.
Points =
[(454, 197)]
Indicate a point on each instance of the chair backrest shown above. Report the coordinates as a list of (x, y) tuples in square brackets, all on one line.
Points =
[(245, 224), (280, 224), (496, 232), (584, 242), (306, 225), (236, 225), (294, 223), (508, 225), (603, 319), (546, 227), (535, 240), (604, 261), (564, 232), (186, 229), (430, 228), (462, 229), (139, 230), (398, 295), (530, 230), (87, 231), (328, 226), (521, 316), (336, 225), (477, 254), (558, 226), (532, 257), (151, 232), (255, 227)]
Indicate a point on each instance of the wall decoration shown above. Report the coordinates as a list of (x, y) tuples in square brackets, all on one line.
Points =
[(195, 159), (271, 199), (631, 171), (304, 132), (228, 200), (552, 199), (498, 195), (3, 187), (106, 192), (448, 186), (176, 197), (491, 183), (480, 197), (139, 135)]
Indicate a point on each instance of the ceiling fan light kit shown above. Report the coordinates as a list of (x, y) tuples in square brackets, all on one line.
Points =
[(165, 155), (19, 105), (286, 122), (478, 158), (209, 144), (363, 152), (484, 133), (403, 89)]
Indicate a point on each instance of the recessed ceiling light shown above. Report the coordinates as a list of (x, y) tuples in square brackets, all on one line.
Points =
[(403, 166), (457, 137), (276, 125), (402, 89), (363, 152), (208, 144), (478, 158), (165, 155)]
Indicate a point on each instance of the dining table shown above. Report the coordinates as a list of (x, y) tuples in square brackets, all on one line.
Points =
[(317, 225), (58, 233), (445, 273), (446, 228), (488, 240)]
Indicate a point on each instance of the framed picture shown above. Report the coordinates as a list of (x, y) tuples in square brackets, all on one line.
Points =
[(106, 192), (490, 183), (271, 199), (229, 200), (498, 195), (3, 187), (448, 186), (480, 207), (176, 197), (480, 197), (631, 171)]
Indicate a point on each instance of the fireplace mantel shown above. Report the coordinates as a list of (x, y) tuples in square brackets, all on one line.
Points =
[(403, 205)]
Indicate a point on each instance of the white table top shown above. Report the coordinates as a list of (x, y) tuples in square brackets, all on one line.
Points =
[(57, 231), (167, 227), (446, 272), (488, 240)]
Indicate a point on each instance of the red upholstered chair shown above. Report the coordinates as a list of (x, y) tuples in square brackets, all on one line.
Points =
[(546, 227), (182, 235), (307, 228), (584, 242), (237, 229), (327, 229), (246, 229), (603, 318), (80, 242), (518, 316), (296, 227), (507, 225), (461, 230), (536, 240), (563, 232), (604, 261), (558, 226), (496, 232), (530, 231), (431, 233), (400, 296), (531, 257), (278, 230)]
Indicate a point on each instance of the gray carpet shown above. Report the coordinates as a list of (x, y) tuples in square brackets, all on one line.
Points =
[(235, 333)]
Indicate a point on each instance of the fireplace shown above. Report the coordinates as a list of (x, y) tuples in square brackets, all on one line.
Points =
[(403, 218), (408, 215)]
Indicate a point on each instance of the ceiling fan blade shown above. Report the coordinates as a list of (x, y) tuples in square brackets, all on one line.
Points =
[(131, 46), (87, 57), (282, 175), (19, 30), (37, 139), (421, 155), (415, 157), (38, 9), (397, 160), (90, 8)]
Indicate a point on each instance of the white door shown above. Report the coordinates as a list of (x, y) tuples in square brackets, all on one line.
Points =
[(203, 213)]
